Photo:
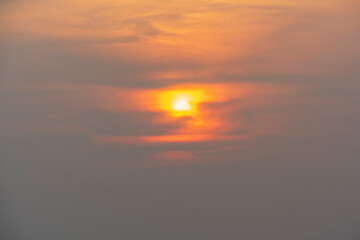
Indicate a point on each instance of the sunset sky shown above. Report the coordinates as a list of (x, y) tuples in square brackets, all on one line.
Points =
[(178, 119)]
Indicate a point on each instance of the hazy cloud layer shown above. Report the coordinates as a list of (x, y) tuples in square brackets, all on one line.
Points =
[(88, 153)]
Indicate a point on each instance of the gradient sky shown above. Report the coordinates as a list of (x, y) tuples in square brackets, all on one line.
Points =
[(91, 147)]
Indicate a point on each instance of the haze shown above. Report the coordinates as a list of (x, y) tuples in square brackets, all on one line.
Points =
[(266, 145)]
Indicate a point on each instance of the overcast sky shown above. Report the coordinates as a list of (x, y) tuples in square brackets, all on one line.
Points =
[(90, 149)]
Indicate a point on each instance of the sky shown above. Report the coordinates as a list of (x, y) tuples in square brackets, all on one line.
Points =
[(177, 119)]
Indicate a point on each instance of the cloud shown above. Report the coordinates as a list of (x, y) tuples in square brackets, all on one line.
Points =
[(102, 68), (118, 116), (89, 138)]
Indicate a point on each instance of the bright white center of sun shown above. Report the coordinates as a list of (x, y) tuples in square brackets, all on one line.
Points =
[(182, 105)]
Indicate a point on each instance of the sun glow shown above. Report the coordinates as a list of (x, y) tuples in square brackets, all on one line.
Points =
[(181, 102), (182, 105)]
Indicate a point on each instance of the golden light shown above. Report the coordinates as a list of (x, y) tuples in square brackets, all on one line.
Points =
[(197, 112), (181, 102), (182, 105)]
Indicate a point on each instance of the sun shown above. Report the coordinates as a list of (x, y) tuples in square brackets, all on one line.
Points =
[(181, 101), (181, 105)]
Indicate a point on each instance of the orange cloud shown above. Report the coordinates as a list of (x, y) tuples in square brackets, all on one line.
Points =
[(209, 117), (200, 31)]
